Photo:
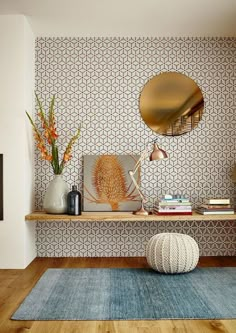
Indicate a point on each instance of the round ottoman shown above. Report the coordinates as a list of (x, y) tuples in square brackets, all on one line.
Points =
[(172, 253)]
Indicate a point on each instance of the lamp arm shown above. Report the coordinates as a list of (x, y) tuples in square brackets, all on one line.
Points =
[(131, 173), (142, 158)]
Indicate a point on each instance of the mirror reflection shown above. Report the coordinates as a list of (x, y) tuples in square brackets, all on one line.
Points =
[(171, 103)]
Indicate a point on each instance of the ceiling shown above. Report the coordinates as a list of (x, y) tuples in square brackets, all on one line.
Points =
[(127, 18)]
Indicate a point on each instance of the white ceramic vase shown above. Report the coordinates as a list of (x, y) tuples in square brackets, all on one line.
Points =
[(55, 199)]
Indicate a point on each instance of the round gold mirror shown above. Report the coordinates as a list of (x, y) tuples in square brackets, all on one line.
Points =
[(171, 104)]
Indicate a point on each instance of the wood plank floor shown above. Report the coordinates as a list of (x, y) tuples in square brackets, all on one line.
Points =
[(16, 284)]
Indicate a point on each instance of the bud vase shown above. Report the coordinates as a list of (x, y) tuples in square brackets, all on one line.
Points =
[(55, 199)]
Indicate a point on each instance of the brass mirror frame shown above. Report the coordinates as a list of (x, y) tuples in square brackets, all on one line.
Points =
[(171, 104)]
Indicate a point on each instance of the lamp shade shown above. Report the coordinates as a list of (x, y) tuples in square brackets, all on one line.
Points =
[(157, 153)]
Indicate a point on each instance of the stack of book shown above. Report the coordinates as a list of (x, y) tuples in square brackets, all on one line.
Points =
[(173, 205), (215, 206)]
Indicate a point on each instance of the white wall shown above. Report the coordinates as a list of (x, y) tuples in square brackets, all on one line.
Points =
[(17, 238)]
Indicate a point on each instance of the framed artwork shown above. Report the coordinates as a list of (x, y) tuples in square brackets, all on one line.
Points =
[(107, 185)]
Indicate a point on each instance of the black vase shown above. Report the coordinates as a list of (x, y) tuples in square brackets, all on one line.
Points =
[(74, 202)]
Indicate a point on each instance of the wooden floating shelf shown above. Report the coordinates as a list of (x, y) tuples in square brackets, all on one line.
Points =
[(124, 216)]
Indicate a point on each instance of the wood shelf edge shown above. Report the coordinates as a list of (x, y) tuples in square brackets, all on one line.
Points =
[(123, 216)]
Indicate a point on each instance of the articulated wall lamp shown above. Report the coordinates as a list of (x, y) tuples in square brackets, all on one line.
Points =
[(156, 154)]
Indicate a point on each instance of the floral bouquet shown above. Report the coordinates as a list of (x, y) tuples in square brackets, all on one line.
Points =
[(46, 139)]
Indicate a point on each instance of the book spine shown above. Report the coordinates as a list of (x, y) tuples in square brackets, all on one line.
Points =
[(215, 212), (175, 207), (216, 206), (174, 200), (172, 213), (217, 201), (165, 203), (216, 209)]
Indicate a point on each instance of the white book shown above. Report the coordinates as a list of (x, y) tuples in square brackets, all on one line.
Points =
[(173, 207), (227, 212), (217, 201), (174, 210), (171, 203), (175, 200)]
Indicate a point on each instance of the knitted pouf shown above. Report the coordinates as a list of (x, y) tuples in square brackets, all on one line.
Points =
[(172, 253)]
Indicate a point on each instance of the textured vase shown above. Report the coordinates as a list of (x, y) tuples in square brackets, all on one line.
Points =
[(55, 199), (172, 253)]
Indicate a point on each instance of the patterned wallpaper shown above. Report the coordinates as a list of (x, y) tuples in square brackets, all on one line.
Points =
[(128, 239), (97, 82)]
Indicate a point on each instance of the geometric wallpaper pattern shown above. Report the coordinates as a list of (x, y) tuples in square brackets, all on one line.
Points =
[(122, 239), (97, 82)]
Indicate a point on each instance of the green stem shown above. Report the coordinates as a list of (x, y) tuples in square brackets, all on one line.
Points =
[(61, 167), (55, 159), (51, 111)]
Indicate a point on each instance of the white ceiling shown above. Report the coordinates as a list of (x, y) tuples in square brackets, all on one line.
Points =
[(127, 18)]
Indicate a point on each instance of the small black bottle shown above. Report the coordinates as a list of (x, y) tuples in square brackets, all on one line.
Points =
[(74, 201)]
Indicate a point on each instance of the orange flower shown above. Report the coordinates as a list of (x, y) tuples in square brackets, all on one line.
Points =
[(66, 157), (46, 140), (48, 157), (54, 134), (43, 155)]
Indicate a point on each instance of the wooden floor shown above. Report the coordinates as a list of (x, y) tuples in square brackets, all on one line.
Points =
[(16, 284)]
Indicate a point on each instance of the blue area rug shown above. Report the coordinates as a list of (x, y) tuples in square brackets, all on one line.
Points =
[(116, 294)]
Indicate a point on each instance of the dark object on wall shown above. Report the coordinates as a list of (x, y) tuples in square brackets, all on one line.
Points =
[(74, 201), (1, 187), (171, 104)]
